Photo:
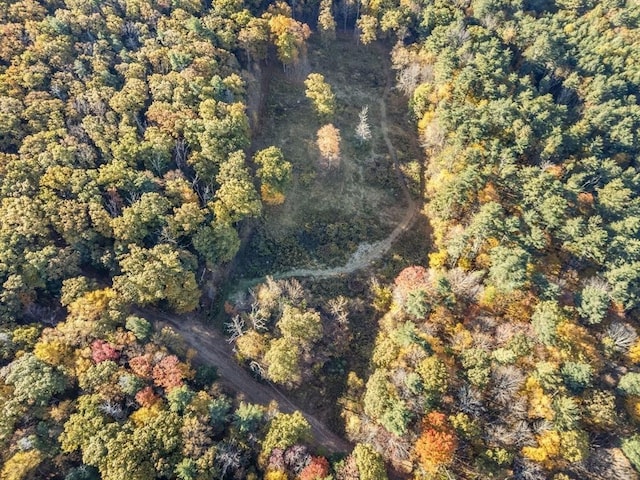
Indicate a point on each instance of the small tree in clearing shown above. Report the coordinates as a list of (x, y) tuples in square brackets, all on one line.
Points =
[(363, 132), (326, 22), (320, 93), (329, 145)]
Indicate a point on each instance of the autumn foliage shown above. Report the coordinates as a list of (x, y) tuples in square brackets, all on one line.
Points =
[(101, 351), (412, 278), (437, 444), (317, 469), (146, 397), (169, 372)]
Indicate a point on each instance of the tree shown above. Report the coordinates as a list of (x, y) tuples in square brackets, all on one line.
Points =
[(369, 462), (319, 92), (577, 375), (417, 304), (630, 384), (248, 417), (140, 327), (601, 409), (594, 301), (284, 431), (274, 173), (317, 469), (101, 351), (434, 376), (329, 145), (254, 37), (218, 242), (21, 465), (283, 362), (169, 372), (631, 449), (363, 131), (437, 444), (34, 381), (236, 198), (289, 36), (545, 320), (158, 273), (301, 327), (326, 22), (508, 269), (368, 26)]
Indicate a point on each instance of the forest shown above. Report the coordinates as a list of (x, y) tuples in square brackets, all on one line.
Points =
[(319, 240)]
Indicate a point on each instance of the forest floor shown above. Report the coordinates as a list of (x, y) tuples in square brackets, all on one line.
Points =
[(334, 219), (366, 253)]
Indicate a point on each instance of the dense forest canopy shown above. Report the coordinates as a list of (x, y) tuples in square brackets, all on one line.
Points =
[(127, 179), (515, 352), (123, 179)]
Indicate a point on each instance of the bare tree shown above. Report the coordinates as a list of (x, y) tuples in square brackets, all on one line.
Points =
[(622, 335), (235, 328), (363, 131)]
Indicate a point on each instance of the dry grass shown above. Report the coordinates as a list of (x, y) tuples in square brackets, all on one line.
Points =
[(327, 214)]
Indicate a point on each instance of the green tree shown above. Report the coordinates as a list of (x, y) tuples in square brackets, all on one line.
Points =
[(285, 430), (156, 274), (631, 449), (417, 304), (283, 362), (508, 269), (630, 384), (140, 327), (369, 462), (320, 93), (577, 375), (301, 327), (434, 376), (594, 302), (275, 174), (545, 320), (248, 417), (34, 381), (236, 198), (216, 243)]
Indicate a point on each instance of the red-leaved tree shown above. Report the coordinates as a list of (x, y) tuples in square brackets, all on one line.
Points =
[(317, 469), (168, 372), (146, 397), (101, 351)]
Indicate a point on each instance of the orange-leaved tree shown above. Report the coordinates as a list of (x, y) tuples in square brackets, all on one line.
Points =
[(437, 444)]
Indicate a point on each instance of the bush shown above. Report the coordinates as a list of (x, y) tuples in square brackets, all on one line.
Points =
[(630, 384), (631, 449)]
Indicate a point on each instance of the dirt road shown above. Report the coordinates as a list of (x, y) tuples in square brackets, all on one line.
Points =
[(213, 349)]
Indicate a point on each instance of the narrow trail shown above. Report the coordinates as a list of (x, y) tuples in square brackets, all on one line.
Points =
[(213, 349), (367, 253)]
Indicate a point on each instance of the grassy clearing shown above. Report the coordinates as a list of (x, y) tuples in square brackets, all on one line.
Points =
[(327, 214)]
